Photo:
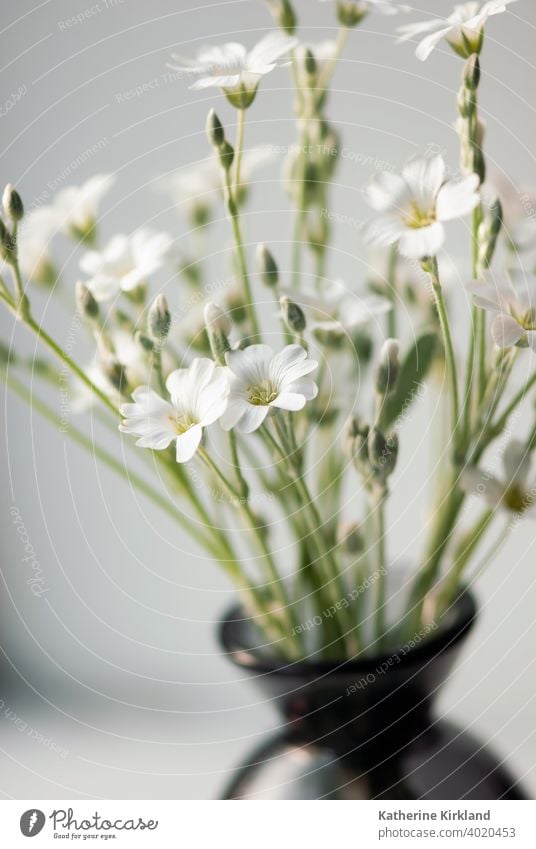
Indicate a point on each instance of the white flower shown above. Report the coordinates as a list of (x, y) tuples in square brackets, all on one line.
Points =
[(260, 381), (513, 305), (415, 205), (336, 308), (125, 263), (463, 29), (198, 398), (513, 494), (76, 207), (362, 7), (233, 68)]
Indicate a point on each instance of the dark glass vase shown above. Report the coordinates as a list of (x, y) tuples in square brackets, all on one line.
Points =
[(364, 729)]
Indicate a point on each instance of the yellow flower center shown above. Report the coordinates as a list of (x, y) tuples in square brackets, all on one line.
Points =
[(262, 393), (415, 217), (181, 423)]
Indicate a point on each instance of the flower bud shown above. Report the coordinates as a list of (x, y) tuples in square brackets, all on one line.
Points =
[(488, 233), (218, 328), (144, 342), (383, 453), (215, 131), (115, 373), (8, 245), (309, 63), (12, 203), (85, 302), (267, 267), (236, 306), (159, 319), (216, 319), (350, 538), (388, 367), (226, 154), (284, 15), (293, 315)]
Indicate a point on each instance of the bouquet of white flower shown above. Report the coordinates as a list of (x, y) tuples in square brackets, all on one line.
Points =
[(268, 425)]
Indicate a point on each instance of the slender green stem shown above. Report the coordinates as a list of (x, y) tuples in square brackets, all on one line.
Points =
[(58, 351), (391, 280), (157, 363), (334, 585), (465, 551), (516, 400), (277, 583), (329, 68), (378, 521), (449, 348), (239, 148), (234, 214)]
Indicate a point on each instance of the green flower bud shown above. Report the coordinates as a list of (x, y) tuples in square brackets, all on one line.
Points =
[(144, 342), (218, 328), (115, 373), (383, 453), (284, 15), (12, 203), (237, 307), (293, 315), (267, 267), (215, 131), (388, 367), (226, 154), (350, 538), (159, 319), (309, 63), (8, 245), (85, 302), (488, 233)]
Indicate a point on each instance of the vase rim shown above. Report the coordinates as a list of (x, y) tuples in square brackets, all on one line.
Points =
[(232, 633)]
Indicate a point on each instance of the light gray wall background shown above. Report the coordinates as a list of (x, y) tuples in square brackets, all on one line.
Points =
[(116, 670)]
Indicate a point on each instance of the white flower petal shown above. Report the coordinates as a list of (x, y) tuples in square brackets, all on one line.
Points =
[(457, 199), (289, 401), (506, 331), (385, 191), (424, 177), (384, 230), (252, 364), (188, 443), (422, 241), (431, 41), (252, 418)]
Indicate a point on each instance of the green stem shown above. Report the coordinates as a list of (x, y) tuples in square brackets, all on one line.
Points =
[(465, 551), (391, 280), (378, 521), (239, 151), (278, 586), (61, 354), (499, 426), (447, 340), (334, 584)]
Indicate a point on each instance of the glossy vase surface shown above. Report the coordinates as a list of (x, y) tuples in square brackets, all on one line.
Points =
[(364, 728)]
